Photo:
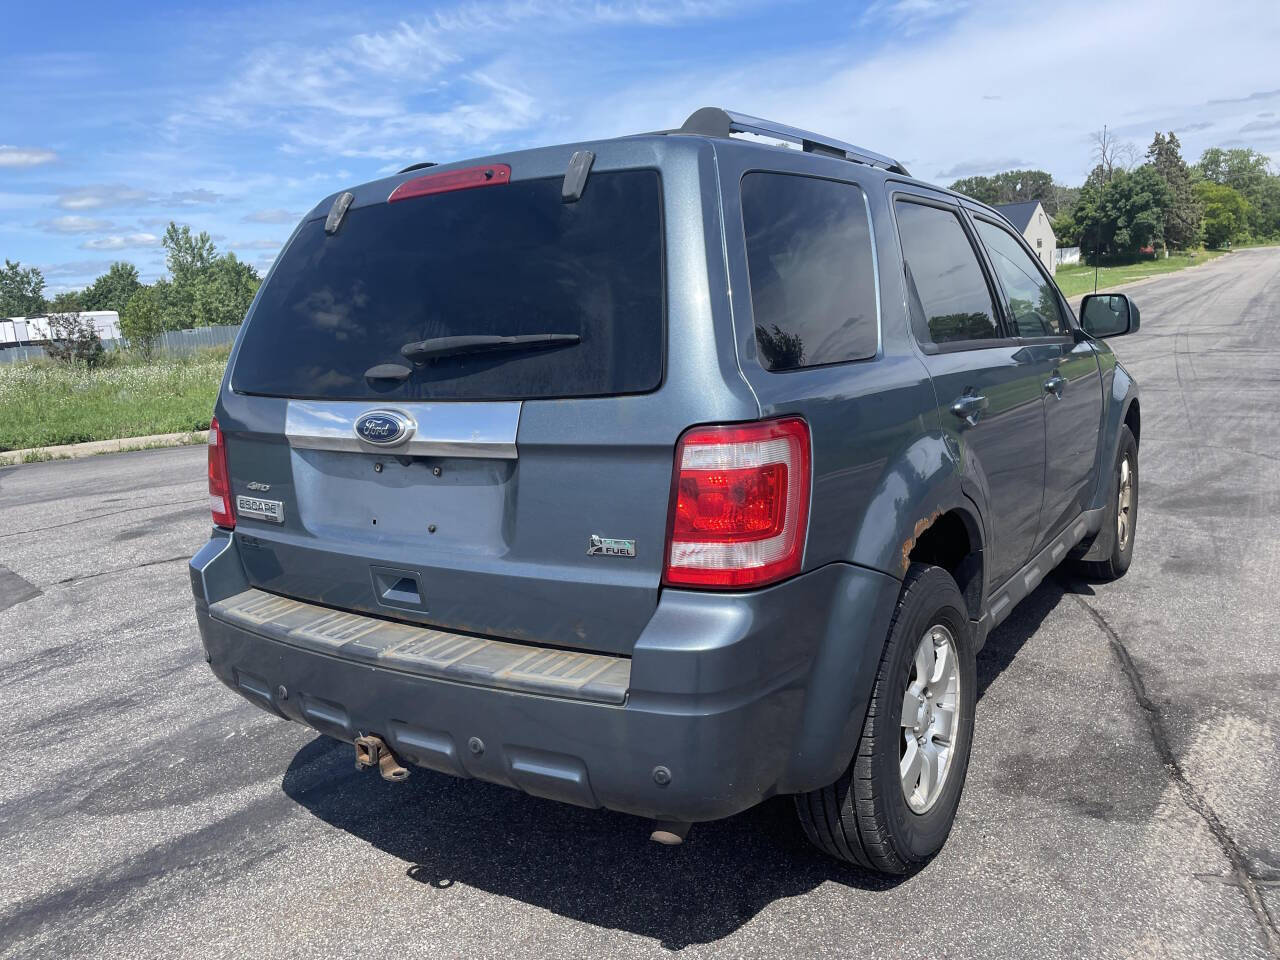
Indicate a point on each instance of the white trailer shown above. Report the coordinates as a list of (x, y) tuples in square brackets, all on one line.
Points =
[(26, 331)]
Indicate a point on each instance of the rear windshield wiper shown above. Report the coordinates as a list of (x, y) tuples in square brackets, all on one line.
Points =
[(421, 350)]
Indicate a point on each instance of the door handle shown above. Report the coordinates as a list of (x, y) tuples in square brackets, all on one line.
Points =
[(1055, 384), (970, 408)]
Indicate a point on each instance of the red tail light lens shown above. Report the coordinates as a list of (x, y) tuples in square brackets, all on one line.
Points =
[(486, 176), (219, 479), (740, 507)]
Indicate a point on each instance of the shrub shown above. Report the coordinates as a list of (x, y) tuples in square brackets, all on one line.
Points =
[(73, 339)]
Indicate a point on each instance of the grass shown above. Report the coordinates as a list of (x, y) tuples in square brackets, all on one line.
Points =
[(44, 403), (1077, 278)]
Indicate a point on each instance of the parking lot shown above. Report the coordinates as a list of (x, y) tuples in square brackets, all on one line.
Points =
[(1121, 800)]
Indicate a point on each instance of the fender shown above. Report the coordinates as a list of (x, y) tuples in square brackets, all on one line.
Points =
[(930, 477), (1120, 392), (916, 487)]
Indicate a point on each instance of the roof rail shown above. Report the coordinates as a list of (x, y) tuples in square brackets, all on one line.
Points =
[(717, 122)]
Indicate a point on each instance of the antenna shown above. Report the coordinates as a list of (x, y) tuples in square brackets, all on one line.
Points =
[(1097, 233)]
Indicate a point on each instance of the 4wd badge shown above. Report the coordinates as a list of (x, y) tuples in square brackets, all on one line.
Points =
[(610, 547)]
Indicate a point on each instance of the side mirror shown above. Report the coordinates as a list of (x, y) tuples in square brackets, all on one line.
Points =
[(1109, 315)]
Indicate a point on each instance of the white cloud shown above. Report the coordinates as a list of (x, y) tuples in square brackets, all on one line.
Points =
[(121, 241), (75, 224), (106, 195), (11, 156), (448, 82), (100, 196), (271, 216), (910, 16), (75, 268), (920, 100), (974, 167), (185, 197)]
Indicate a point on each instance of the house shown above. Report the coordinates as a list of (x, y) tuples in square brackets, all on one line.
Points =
[(1029, 219)]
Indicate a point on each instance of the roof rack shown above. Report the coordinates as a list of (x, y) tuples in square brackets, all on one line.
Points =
[(717, 122)]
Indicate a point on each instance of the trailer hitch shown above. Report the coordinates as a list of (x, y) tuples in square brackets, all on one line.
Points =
[(372, 751)]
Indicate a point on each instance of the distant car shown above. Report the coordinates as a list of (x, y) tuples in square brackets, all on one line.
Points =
[(664, 474), (1148, 251)]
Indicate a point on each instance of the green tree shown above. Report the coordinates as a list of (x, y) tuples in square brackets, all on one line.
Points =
[(1248, 173), (1226, 213), (1065, 227), (206, 289), (223, 291), (187, 256), (141, 321), (1013, 186), (113, 289), (1123, 214), (1182, 215), (21, 290), (1264, 209), (1242, 168), (69, 301)]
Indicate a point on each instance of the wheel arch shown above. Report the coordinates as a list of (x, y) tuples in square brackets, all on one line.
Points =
[(1122, 409), (919, 509), (1133, 420), (953, 541)]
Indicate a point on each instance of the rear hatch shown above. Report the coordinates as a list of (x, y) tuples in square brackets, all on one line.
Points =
[(532, 466)]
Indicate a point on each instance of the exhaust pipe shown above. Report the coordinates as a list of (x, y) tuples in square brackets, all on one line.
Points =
[(372, 751), (669, 833)]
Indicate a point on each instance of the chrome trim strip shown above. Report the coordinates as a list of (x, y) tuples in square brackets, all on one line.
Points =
[(461, 429)]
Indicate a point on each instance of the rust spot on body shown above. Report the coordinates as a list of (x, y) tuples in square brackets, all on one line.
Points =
[(923, 524)]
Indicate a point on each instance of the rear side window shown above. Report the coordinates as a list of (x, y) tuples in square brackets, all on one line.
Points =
[(809, 255), (1033, 300), (507, 260), (947, 292)]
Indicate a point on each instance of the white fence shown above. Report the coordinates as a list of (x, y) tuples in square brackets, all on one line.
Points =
[(1066, 255), (171, 341)]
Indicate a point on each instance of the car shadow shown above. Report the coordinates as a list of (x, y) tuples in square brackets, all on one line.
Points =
[(596, 866), (1006, 640)]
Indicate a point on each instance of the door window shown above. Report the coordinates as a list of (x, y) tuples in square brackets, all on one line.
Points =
[(1033, 299), (947, 294)]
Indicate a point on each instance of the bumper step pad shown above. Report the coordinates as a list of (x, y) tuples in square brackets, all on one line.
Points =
[(428, 652)]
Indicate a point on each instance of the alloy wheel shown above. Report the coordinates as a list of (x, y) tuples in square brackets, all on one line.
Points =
[(929, 708)]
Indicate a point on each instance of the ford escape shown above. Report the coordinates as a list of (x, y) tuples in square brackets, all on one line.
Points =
[(665, 474)]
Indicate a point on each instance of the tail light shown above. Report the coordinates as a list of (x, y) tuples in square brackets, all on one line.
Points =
[(740, 506), (219, 479)]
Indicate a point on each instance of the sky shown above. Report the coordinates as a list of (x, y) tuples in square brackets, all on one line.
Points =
[(118, 118)]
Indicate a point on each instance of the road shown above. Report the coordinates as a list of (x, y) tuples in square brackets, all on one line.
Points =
[(1121, 801)]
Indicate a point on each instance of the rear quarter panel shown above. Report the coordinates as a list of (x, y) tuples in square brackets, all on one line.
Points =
[(883, 468)]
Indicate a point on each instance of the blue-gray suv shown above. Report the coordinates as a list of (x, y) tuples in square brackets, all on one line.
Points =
[(664, 473)]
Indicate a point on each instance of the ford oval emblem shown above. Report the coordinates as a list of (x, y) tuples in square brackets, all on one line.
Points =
[(386, 428)]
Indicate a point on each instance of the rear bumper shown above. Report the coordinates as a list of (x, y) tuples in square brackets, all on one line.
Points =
[(737, 696)]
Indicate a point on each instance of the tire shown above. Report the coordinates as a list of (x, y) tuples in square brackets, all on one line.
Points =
[(865, 817), (1122, 538)]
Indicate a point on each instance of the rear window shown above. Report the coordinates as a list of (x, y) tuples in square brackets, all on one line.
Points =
[(509, 260), (813, 290)]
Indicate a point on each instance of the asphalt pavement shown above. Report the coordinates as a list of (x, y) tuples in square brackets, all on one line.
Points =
[(1121, 801)]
